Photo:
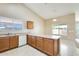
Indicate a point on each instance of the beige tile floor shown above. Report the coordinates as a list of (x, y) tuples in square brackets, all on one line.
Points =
[(23, 51), (67, 48)]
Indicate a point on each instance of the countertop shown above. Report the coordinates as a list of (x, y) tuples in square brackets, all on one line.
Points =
[(47, 36), (12, 34)]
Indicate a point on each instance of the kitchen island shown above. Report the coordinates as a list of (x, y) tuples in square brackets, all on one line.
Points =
[(48, 44)]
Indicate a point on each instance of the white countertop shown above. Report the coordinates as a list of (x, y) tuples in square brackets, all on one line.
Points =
[(12, 34), (47, 36), (6, 35)]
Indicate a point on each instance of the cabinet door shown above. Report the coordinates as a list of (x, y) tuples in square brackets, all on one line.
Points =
[(39, 43), (14, 40), (33, 41), (29, 39), (56, 47), (48, 46), (4, 43)]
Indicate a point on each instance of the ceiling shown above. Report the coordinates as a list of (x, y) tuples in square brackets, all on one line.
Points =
[(52, 10)]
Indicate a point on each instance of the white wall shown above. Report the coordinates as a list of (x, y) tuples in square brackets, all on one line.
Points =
[(69, 20), (20, 12), (77, 16), (77, 23), (77, 27)]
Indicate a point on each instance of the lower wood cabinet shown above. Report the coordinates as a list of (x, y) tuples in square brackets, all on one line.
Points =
[(56, 47), (8, 42), (13, 41), (39, 43), (48, 46), (4, 43), (29, 39), (33, 41)]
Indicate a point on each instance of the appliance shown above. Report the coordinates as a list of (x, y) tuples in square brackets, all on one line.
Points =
[(22, 40)]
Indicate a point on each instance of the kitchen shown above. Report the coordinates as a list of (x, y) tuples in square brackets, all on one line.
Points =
[(22, 26), (13, 40)]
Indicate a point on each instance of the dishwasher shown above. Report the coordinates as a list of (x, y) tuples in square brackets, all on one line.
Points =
[(22, 40)]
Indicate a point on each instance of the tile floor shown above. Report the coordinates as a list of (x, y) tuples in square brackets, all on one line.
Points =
[(23, 51), (67, 48)]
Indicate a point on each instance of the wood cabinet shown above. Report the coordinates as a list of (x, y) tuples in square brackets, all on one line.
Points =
[(31, 40), (4, 43), (29, 24), (14, 40), (48, 46), (39, 43), (8, 42), (56, 47)]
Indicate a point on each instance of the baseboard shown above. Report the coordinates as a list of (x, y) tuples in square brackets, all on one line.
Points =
[(22, 45)]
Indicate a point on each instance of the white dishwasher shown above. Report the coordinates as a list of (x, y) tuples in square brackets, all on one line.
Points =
[(22, 40)]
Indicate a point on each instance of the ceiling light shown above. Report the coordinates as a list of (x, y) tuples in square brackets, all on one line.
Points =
[(54, 20)]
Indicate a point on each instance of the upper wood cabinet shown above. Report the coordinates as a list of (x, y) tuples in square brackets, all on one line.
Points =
[(30, 24)]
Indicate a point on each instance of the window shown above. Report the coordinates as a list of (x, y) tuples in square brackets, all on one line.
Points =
[(2, 26), (59, 29), (10, 26), (14, 26)]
